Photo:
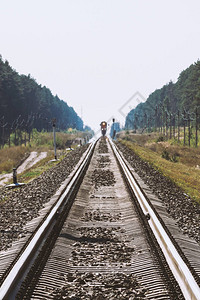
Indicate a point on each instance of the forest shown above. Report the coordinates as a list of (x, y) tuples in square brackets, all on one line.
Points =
[(25, 104), (170, 107)]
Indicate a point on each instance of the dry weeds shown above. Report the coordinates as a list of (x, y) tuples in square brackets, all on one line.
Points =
[(182, 167)]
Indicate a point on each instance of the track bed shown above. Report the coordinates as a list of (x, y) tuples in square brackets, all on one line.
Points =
[(98, 242), (102, 251)]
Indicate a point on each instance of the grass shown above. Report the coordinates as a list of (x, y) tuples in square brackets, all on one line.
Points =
[(40, 167), (11, 157), (45, 139), (184, 171), (35, 171), (40, 141)]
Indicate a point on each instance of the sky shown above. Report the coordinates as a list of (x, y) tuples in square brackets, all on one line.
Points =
[(102, 57)]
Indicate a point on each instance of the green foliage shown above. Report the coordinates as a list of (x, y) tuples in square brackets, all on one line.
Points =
[(185, 93), (173, 158), (60, 142), (184, 173), (11, 157), (21, 95), (161, 138), (166, 155), (42, 139)]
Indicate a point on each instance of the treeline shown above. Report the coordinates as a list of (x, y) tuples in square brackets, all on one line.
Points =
[(26, 105), (173, 106)]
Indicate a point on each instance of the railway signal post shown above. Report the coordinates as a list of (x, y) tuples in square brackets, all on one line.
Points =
[(54, 138)]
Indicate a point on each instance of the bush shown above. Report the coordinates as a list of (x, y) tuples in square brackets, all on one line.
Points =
[(173, 158), (160, 139), (165, 155), (11, 157), (127, 138)]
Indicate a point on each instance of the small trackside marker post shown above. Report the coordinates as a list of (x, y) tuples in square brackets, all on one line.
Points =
[(14, 176), (15, 183)]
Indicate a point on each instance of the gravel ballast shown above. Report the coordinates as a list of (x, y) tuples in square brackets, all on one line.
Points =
[(179, 205), (18, 206)]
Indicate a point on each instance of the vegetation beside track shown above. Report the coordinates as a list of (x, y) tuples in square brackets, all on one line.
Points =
[(179, 163), (40, 167), (11, 157)]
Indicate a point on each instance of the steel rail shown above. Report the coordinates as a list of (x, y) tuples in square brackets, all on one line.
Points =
[(12, 276), (180, 270)]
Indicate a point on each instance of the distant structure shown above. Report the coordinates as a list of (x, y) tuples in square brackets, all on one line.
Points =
[(115, 127)]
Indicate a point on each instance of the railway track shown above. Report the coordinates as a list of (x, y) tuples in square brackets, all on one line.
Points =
[(100, 240)]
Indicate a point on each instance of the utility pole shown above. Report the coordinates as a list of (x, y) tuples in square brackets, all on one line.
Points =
[(184, 123), (178, 125), (170, 126), (166, 122), (163, 119), (196, 127), (156, 118), (189, 129)]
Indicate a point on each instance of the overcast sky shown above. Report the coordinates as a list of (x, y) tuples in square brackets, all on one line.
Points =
[(97, 54)]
